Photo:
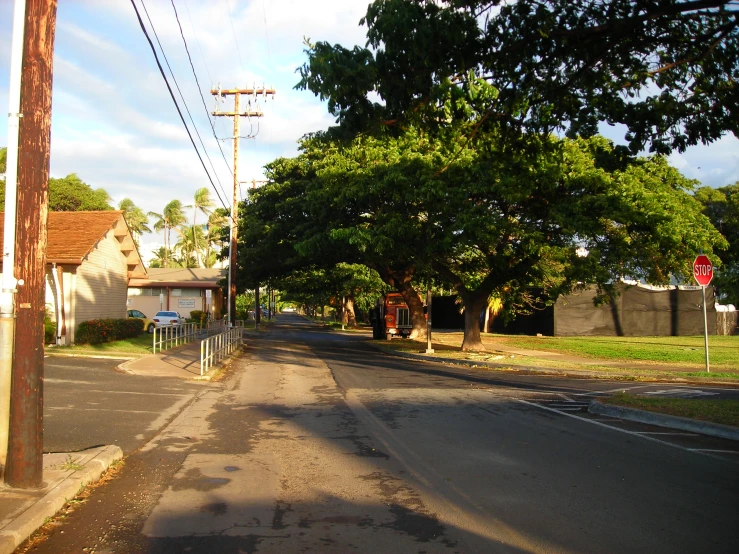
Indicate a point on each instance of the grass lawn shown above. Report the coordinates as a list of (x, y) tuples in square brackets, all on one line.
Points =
[(138, 346), (687, 351), (723, 350), (635, 358), (725, 412)]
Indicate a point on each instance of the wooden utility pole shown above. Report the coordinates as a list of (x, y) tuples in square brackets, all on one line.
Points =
[(25, 444), (236, 114)]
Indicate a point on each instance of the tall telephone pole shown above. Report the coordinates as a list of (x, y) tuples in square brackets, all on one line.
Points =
[(24, 467), (237, 115)]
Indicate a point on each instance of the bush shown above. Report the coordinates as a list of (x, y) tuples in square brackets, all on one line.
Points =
[(198, 316), (97, 331), (49, 332)]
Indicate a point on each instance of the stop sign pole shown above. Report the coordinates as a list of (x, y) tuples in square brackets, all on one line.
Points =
[(703, 273)]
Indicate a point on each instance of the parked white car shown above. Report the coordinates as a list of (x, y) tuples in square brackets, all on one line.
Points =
[(164, 319)]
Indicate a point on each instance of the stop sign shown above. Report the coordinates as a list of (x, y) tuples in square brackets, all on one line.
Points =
[(703, 270)]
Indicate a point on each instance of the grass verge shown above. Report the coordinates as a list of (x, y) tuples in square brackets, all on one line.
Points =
[(515, 357), (725, 412), (689, 351), (138, 346)]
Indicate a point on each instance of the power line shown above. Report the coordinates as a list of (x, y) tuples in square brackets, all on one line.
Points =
[(174, 100), (198, 42), (233, 30), (218, 142), (205, 150), (171, 72), (269, 59), (266, 36)]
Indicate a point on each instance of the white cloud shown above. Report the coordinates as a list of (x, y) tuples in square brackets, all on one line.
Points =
[(715, 165)]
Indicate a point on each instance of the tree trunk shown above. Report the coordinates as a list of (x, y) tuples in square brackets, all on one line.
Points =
[(415, 305), (350, 318), (486, 327), (473, 305)]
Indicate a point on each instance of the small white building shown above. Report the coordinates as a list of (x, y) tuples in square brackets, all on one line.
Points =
[(90, 257), (178, 289)]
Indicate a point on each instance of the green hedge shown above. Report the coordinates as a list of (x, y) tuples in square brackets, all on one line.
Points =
[(97, 331), (49, 332), (198, 316)]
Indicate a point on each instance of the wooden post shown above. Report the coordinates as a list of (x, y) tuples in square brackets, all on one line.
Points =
[(25, 449), (236, 114), (232, 259)]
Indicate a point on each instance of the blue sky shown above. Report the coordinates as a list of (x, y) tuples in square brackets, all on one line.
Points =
[(114, 124)]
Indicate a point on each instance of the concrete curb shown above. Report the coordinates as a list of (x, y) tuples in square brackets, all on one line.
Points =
[(92, 356), (482, 363), (61, 488), (663, 420)]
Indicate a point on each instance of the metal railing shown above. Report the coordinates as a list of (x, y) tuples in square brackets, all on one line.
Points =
[(216, 325), (170, 336), (214, 349)]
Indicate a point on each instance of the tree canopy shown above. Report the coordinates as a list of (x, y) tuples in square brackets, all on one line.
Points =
[(722, 208), (70, 194), (667, 70), (491, 220)]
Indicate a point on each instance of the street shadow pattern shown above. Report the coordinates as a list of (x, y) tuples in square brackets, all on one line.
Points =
[(442, 466)]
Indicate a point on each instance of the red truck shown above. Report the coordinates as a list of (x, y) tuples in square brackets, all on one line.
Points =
[(391, 317)]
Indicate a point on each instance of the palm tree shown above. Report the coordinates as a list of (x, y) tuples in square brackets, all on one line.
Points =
[(190, 244), (203, 203), (135, 217), (171, 218), (215, 228), (160, 258)]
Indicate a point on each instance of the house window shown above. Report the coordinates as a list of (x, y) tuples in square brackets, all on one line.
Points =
[(140, 291), (190, 292)]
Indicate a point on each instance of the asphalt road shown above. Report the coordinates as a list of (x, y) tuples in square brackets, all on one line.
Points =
[(88, 403), (522, 450), (318, 443)]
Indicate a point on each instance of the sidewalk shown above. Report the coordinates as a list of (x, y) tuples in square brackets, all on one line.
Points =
[(22, 511), (182, 362)]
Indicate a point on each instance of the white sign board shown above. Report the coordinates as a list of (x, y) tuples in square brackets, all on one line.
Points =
[(208, 293), (186, 302)]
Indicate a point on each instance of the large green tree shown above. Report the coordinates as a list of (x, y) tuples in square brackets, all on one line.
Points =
[(524, 223), (721, 205), (488, 220), (666, 69), (495, 84), (70, 194)]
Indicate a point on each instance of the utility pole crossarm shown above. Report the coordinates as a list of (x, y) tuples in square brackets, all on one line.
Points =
[(251, 91), (242, 114)]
